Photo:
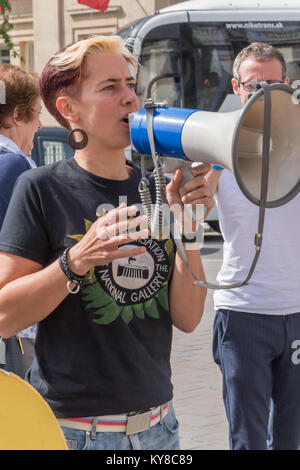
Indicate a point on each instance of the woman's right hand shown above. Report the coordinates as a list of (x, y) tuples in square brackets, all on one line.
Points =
[(101, 243)]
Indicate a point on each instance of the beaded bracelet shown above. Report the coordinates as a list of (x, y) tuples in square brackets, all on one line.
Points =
[(73, 278)]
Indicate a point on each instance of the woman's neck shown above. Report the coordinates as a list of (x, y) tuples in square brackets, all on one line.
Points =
[(110, 166)]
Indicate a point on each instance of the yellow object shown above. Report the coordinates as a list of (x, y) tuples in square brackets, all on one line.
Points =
[(21, 345), (26, 420)]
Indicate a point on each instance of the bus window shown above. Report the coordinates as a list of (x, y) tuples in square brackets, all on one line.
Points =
[(189, 64), (208, 57), (209, 50), (160, 71)]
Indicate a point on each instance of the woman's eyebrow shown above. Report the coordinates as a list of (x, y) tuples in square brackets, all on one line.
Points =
[(115, 80)]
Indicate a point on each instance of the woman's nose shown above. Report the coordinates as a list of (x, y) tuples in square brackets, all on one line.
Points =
[(129, 96)]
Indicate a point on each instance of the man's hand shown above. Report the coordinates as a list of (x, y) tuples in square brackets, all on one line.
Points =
[(192, 201), (194, 192)]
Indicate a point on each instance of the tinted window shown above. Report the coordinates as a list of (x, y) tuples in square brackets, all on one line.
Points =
[(190, 64), (4, 55), (54, 151), (210, 49), (50, 146), (160, 71)]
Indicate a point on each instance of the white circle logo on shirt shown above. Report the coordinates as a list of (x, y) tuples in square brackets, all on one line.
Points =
[(136, 279), (133, 273)]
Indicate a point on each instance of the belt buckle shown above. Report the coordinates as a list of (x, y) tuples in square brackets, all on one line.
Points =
[(138, 422)]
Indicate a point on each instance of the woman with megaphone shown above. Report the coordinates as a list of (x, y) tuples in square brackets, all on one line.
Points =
[(78, 258)]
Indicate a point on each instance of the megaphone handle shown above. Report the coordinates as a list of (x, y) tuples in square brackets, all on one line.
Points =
[(194, 214), (170, 166), (186, 174)]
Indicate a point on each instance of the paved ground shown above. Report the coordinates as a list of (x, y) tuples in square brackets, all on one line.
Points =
[(196, 378)]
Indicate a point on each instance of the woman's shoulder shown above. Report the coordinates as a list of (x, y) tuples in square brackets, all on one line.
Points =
[(12, 161), (45, 172)]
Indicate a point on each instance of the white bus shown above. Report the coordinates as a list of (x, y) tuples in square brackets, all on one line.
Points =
[(186, 51)]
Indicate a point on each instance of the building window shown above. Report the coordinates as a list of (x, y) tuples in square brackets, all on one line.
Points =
[(4, 55)]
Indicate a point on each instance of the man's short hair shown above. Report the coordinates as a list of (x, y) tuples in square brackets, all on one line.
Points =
[(261, 52)]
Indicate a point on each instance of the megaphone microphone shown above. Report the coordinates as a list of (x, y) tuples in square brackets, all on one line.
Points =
[(259, 144)]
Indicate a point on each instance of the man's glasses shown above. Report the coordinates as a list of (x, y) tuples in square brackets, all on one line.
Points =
[(249, 88)]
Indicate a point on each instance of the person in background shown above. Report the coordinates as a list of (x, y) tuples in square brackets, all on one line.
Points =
[(256, 325), (105, 294), (208, 90), (19, 120)]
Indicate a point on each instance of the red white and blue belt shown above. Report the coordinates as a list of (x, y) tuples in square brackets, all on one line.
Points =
[(130, 423)]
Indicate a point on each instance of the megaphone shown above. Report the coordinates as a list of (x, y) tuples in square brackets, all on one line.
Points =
[(233, 140)]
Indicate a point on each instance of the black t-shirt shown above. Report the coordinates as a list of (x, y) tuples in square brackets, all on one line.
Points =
[(107, 349)]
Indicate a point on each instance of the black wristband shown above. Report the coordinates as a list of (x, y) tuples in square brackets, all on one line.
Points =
[(64, 266)]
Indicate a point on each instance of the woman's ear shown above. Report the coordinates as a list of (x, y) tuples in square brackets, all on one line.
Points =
[(15, 115), (67, 108)]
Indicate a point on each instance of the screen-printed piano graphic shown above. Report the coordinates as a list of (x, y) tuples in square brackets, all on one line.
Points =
[(133, 270)]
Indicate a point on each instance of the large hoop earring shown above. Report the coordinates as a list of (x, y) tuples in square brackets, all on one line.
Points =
[(74, 143)]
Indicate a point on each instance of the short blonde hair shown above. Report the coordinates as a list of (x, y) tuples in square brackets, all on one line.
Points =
[(73, 56), (64, 71)]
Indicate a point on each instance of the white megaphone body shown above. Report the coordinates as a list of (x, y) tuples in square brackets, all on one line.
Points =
[(233, 140)]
